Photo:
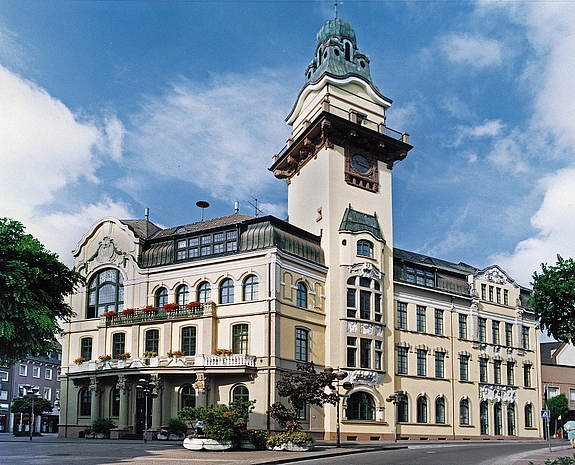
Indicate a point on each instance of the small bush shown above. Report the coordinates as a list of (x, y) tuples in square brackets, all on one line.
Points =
[(103, 425), (176, 426), (297, 437)]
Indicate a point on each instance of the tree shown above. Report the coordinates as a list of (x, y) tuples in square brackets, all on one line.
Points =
[(553, 299), (558, 405), (24, 405), (33, 286)]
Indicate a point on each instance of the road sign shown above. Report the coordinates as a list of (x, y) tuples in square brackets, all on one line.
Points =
[(546, 414)]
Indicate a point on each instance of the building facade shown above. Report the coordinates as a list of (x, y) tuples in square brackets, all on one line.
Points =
[(327, 286)]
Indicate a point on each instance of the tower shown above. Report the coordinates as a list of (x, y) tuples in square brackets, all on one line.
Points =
[(337, 164)]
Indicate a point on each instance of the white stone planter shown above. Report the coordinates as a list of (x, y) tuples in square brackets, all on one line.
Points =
[(176, 436), (298, 447), (100, 435), (121, 364), (247, 445), (155, 362), (207, 444)]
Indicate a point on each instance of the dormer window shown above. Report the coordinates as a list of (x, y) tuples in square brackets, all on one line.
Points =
[(365, 248)]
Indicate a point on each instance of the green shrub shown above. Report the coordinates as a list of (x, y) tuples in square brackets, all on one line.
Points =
[(176, 426), (103, 425), (296, 437)]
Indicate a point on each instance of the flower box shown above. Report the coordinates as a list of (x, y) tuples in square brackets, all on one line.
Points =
[(207, 444)]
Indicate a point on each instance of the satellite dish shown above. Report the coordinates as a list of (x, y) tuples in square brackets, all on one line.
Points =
[(202, 204)]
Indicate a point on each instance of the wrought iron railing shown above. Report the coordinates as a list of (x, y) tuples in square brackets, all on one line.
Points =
[(140, 315)]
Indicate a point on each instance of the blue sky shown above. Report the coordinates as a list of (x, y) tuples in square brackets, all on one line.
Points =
[(109, 107)]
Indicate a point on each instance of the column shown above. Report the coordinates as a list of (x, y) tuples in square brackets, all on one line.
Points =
[(95, 387), (123, 385), (157, 404)]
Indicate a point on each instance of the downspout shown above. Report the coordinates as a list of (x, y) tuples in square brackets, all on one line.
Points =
[(269, 393), (452, 373)]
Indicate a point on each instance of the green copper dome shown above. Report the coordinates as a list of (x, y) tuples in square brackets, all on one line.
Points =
[(336, 27)]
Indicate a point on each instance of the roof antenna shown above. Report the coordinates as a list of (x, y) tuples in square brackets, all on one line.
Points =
[(203, 205), (335, 8), (147, 216), (256, 209)]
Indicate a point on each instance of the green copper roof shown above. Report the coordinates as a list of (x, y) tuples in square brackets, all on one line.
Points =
[(355, 221), (336, 27)]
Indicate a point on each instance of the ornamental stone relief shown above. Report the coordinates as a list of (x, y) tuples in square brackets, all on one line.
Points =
[(497, 393), (365, 270), (106, 253), (494, 275), (368, 377), (366, 328), (352, 327)]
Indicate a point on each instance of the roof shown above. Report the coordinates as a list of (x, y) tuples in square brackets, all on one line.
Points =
[(141, 228), (356, 221), (206, 225), (548, 349), (336, 27), (425, 260)]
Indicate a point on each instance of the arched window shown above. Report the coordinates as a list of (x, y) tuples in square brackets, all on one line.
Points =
[(240, 339), (188, 341), (161, 297), (511, 419), (464, 412), (301, 295), (85, 400), (301, 344), (240, 394), (105, 293), (188, 395), (403, 410), (152, 340), (204, 292), (250, 288), (528, 416), (440, 410), (365, 248), (227, 291), (360, 406), (422, 409), (86, 348), (498, 419), (484, 417), (182, 295), (115, 402), (118, 344)]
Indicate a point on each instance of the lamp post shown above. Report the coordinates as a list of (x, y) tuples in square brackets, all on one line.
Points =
[(146, 387), (35, 395), (396, 398), (339, 375)]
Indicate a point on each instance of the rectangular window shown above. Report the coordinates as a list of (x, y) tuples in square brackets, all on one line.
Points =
[(401, 315), (508, 334), (482, 323), (572, 399), (484, 291), (35, 372), (495, 331), (218, 248), (48, 373), (490, 293), (219, 237), (420, 319), (301, 345), (193, 252), (23, 371), (240, 339), (498, 294), (206, 240), (3, 376), (378, 355), (351, 352), (419, 279), (86, 348), (552, 392), (497, 371), (152, 340), (365, 353), (188, 345), (119, 344), (429, 279), (351, 298), (505, 297), (409, 274), (527, 375), (482, 370), (510, 373), (48, 393), (365, 305), (464, 367), (421, 365), (439, 364), (402, 360), (462, 326), (206, 250), (525, 337), (377, 306), (439, 322)]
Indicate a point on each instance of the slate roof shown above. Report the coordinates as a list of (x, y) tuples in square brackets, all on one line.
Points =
[(416, 258), (547, 351), (356, 221)]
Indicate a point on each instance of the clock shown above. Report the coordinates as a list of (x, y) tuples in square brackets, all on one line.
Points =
[(360, 164)]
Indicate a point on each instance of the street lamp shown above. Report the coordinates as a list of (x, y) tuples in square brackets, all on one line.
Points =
[(396, 398), (339, 375), (146, 387), (35, 394)]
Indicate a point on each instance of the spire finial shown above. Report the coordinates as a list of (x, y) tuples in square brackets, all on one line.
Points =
[(335, 8)]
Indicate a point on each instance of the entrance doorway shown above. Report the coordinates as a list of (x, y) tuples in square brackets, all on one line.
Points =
[(140, 408)]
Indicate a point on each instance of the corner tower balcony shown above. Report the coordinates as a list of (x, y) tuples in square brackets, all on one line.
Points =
[(130, 316)]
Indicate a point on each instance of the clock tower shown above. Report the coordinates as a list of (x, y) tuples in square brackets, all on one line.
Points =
[(337, 164)]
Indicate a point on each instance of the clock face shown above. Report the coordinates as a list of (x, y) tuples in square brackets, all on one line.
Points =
[(360, 164)]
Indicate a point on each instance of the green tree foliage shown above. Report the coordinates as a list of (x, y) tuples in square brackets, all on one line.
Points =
[(558, 405), (24, 405), (221, 422), (553, 298), (33, 285)]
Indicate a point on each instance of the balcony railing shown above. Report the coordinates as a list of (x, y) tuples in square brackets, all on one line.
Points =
[(140, 315)]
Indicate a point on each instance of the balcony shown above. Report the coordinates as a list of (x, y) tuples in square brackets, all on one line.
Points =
[(131, 316)]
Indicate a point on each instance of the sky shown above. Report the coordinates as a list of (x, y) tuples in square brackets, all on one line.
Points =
[(109, 107)]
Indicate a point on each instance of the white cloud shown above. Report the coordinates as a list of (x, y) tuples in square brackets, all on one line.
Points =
[(452, 242), (488, 129), (475, 51)]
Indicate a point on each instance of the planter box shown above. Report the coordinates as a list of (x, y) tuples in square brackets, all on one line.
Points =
[(176, 436), (247, 445), (207, 444), (298, 447)]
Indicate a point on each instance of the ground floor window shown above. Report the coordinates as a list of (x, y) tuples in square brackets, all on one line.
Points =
[(511, 419), (484, 417), (403, 411), (188, 394), (240, 394), (498, 419), (85, 400), (360, 406), (422, 409), (528, 416)]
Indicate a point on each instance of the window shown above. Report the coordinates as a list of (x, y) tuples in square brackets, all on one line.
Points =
[(528, 416), (301, 344), (351, 311), (508, 334), (119, 344), (85, 400), (250, 288), (505, 297), (378, 355), (365, 353), (48, 393), (48, 373), (188, 343), (365, 249), (552, 392), (440, 410), (491, 293), (463, 326), (497, 371), (351, 351), (498, 293), (482, 322), (422, 409), (3, 376), (86, 348), (204, 292), (182, 295), (35, 372), (360, 406), (464, 367), (464, 412), (484, 291), (161, 297), (152, 340), (402, 410), (439, 322), (301, 295), (527, 375), (484, 417), (365, 305), (188, 396), (115, 403), (105, 293), (495, 332), (572, 398), (402, 360), (439, 364), (401, 315), (525, 337), (510, 371), (498, 419), (418, 276), (421, 359), (511, 419), (207, 244), (227, 291), (420, 319), (240, 339), (483, 370), (240, 394)]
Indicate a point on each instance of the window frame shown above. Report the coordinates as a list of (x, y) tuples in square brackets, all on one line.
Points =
[(94, 287), (250, 288), (364, 248), (188, 341), (204, 292), (227, 291), (301, 295), (464, 409), (422, 406), (240, 338), (302, 344), (401, 321), (361, 406), (160, 297), (151, 343), (182, 295), (85, 351), (118, 343)]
